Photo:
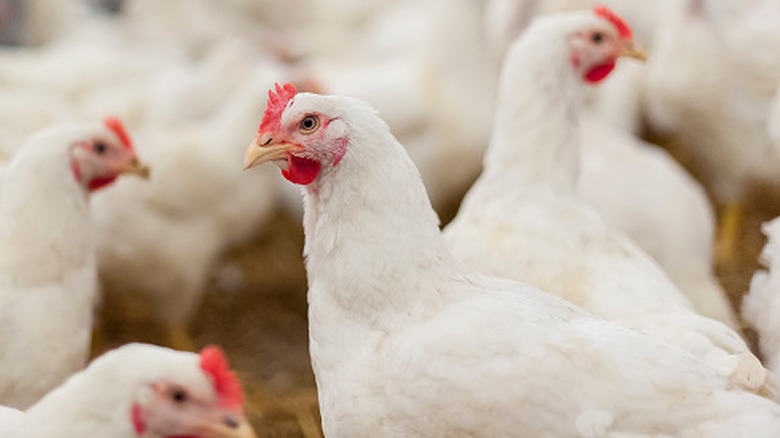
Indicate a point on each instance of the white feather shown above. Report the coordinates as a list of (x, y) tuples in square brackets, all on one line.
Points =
[(48, 276), (405, 342), (761, 305), (640, 190), (523, 219)]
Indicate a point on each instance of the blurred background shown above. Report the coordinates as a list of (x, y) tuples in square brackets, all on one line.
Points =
[(204, 253)]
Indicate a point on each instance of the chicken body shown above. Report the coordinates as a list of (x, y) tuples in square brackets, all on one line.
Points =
[(639, 189), (406, 342), (633, 185), (523, 219), (48, 274), (713, 96), (761, 306), (112, 395), (157, 242), (186, 92)]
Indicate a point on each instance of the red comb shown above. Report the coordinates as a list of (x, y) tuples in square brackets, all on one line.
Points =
[(277, 102), (116, 126), (226, 384), (622, 27)]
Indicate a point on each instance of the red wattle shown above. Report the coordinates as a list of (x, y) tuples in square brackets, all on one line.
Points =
[(599, 72), (137, 418), (301, 170), (100, 182)]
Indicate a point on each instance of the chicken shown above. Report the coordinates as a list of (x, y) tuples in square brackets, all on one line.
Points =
[(185, 100), (640, 190), (142, 390), (157, 242), (523, 219), (710, 85), (405, 341), (627, 180), (48, 275), (618, 99), (761, 305)]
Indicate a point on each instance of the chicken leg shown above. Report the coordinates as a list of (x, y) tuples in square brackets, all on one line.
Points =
[(728, 232)]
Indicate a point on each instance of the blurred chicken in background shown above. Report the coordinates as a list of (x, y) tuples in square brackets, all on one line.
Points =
[(635, 186), (190, 101), (709, 89), (48, 272)]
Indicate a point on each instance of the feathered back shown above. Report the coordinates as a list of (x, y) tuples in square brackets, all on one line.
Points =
[(764, 292), (761, 305)]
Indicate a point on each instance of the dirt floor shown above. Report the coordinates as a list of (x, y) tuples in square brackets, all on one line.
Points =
[(261, 320)]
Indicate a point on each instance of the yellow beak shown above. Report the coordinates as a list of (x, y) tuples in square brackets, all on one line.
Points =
[(139, 168), (260, 152), (631, 50)]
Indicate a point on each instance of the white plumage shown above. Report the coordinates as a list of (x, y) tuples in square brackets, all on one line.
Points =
[(761, 306), (189, 102), (157, 242), (639, 189), (523, 219), (405, 342), (114, 395), (48, 277), (711, 81)]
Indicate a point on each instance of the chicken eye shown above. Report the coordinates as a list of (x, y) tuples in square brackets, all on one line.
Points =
[(308, 125), (178, 395), (99, 147), (597, 37)]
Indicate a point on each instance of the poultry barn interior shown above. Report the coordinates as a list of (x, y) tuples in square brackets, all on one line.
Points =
[(206, 253)]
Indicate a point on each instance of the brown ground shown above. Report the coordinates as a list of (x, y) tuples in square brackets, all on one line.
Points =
[(262, 323)]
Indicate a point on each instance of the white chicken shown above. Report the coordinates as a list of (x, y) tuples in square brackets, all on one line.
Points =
[(48, 274), (626, 180), (618, 99), (523, 219), (186, 100), (761, 305), (140, 390), (158, 241), (405, 342), (710, 85), (640, 190)]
